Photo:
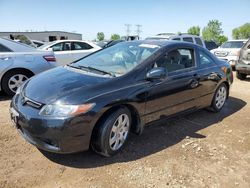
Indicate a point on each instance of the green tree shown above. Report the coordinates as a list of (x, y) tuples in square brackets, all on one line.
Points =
[(115, 37), (242, 32), (212, 31), (194, 30), (178, 33), (222, 39), (100, 36)]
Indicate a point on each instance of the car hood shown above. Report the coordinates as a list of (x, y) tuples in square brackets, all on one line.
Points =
[(225, 50), (64, 84)]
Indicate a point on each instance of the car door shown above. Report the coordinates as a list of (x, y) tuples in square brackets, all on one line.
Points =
[(209, 74), (6, 58), (177, 92), (62, 52), (81, 49)]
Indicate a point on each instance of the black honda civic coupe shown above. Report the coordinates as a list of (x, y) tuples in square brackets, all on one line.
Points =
[(97, 101)]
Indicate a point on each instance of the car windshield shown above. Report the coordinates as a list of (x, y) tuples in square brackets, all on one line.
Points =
[(233, 44), (119, 59), (44, 46)]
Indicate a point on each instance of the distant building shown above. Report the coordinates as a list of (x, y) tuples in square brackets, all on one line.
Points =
[(45, 36)]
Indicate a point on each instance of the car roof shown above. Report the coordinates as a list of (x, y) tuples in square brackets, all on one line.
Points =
[(58, 41), (162, 43), (16, 46)]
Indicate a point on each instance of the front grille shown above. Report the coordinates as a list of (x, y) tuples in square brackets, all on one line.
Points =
[(30, 102), (33, 104)]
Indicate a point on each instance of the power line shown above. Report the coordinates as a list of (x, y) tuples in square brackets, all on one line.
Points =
[(138, 29), (128, 29)]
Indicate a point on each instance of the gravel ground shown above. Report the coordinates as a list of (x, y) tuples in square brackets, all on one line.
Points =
[(202, 149)]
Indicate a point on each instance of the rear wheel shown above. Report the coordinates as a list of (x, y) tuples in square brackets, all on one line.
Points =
[(220, 97), (14, 79), (112, 133), (241, 76)]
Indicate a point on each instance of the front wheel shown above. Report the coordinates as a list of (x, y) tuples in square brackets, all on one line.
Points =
[(112, 133), (241, 76), (14, 79), (220, 97)]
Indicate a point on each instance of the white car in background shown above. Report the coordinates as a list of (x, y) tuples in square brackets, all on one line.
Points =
[(38, 43), (179, 37), (229, 51), (67, 51), (18, 62)]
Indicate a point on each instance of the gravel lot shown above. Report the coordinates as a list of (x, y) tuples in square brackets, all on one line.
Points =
[(202, 149)]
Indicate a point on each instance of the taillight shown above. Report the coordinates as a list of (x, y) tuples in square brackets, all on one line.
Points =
[(49, 58)]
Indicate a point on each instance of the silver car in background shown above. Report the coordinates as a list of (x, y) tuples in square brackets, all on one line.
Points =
[(18, 62)]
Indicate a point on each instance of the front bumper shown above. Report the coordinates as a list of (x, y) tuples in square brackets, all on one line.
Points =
[(232, 60), (243, 68), (58, 135)]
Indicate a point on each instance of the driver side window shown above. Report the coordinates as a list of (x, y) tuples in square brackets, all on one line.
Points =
[(176, 59)]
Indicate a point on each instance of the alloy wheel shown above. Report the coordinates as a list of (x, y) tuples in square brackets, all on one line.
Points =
[(119, 132), (221, 96), (16, 81)]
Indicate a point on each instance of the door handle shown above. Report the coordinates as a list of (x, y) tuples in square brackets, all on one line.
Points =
[(197, 76)]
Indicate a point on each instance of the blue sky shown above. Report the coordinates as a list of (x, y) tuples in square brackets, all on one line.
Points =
[(109, 16)]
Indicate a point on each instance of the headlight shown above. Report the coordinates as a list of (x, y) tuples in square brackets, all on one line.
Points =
[(62, 110)]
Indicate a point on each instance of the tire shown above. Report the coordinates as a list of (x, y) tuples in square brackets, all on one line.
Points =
[(106, 140), (241, 76), (220, 97), (9, 85)]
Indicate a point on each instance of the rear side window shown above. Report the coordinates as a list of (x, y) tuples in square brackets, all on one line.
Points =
[(205, 60), (188, 39), (81, 46), (198, 41), (4, 49), (176, 39)]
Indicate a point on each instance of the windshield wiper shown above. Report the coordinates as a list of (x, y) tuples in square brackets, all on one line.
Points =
[(98, 70), (91, 69)]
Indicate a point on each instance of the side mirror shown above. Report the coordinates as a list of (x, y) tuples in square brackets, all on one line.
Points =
[(157, 73), (50, 49)]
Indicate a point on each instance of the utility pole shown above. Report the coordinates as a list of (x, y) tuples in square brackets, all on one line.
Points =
[(138, 29), (128, 29)]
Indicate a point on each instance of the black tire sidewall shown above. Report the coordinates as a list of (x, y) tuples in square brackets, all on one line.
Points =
[(102, 143), (6, 78), (241, 76)]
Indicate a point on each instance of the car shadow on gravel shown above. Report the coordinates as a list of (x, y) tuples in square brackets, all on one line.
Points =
[(155, 138), (247, 79), (4, 97)]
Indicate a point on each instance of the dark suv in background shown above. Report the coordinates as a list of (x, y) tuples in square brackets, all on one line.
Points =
[(210, 45)]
